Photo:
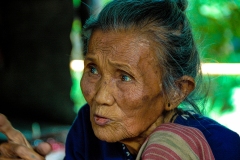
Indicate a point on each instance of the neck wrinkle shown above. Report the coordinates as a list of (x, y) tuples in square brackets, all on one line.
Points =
[(134, 144)]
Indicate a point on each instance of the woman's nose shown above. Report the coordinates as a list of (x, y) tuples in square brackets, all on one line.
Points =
[(104, 93)]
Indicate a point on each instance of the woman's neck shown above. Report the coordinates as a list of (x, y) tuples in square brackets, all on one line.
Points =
[(134, 144)]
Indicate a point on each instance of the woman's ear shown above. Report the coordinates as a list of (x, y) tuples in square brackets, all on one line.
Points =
[(185, 85)]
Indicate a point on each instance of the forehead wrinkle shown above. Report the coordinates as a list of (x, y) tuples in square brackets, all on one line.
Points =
[(98, 44)]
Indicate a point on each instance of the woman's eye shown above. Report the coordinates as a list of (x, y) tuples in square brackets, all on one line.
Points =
[(93, 70), (126, 78)]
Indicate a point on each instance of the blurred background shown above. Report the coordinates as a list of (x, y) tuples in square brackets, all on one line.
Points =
[(41, 63)]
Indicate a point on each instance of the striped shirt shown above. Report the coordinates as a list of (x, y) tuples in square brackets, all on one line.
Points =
[(175, 141)]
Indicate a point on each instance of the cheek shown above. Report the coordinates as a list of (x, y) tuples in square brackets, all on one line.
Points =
[(133, 99), (87, 89)]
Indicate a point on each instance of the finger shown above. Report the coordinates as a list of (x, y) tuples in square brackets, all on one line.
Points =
[(12, 134), (14, 151), (17, 137), (5, 125), (6, 152), (43, 148)]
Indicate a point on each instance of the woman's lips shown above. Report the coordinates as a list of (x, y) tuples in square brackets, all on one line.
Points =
[(101, 121)]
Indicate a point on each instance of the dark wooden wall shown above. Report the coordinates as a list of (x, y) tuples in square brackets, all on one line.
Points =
[(35, 51)]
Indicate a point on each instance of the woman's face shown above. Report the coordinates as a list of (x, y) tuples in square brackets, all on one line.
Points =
[(122, 84)]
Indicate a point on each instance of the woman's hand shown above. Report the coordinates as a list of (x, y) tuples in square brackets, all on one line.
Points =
[(17, 146)]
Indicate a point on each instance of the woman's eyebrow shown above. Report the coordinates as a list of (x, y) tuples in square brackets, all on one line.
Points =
[(90, 58), (120, 65), (124, 67)]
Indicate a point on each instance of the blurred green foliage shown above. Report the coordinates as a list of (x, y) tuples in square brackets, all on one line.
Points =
[(216, 27)]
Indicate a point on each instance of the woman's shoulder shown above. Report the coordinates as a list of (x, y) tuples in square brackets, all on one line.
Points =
[(203, 123), (224, 142), (175, 141)]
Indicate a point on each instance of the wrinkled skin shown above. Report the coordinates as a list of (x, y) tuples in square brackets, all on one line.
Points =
[(122, 84), (17, 146)]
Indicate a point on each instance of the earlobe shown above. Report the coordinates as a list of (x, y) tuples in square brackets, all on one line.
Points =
[(175, 98), (185, 85), (168, 107)]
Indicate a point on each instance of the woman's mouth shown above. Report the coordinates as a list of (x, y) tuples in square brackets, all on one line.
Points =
[(101, 121)]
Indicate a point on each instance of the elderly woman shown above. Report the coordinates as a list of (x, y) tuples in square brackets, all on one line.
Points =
[(141, 63)]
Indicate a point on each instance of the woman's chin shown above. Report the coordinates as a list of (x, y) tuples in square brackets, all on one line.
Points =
[(105, 134)]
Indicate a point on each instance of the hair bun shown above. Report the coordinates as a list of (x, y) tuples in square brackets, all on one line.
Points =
[(182, 4)]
